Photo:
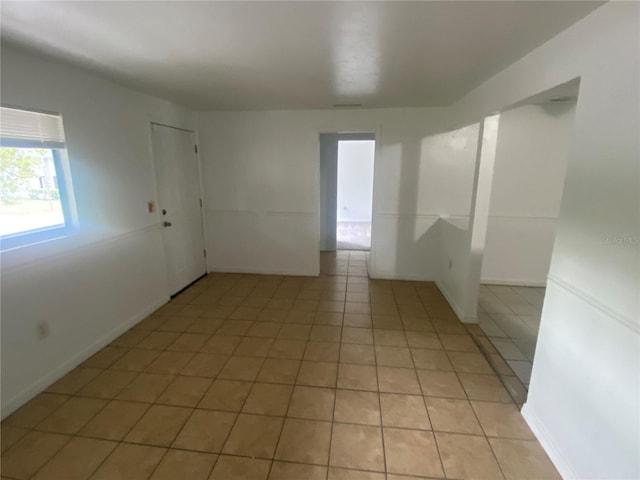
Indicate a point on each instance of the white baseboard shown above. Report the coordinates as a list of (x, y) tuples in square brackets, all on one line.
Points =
[(264, 271), (550, 447), (456, 309), (57, 373), (513, 282), (412, 277)]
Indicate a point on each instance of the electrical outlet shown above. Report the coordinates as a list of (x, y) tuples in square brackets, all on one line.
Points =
[(450, 264), (42, 330)]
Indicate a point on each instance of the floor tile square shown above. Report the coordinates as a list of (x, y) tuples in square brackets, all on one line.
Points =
[(181, 464), (357, 407), (412, 452), (30, 453), (185, 391), (398, 380), (304, 441), (318, 374), (278, 370), (228, 467), (268, 399), (523, 460), (205, 431), (360, 354), (77, 460), (502, 420), (130, 462), (159, 425), (226, 395), (115, 420), (357, 377), (297, 471), (357, 446), (70, 417), (254, 436), (404, 411), (452, 415), (440, 384), (241, 368)]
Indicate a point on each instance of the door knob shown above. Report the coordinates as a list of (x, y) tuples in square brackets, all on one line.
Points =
[(166, 224)]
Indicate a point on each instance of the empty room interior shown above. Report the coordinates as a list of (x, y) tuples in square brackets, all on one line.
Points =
[(320, 240)]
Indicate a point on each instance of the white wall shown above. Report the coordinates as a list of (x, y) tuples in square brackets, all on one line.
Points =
[(92, 285), (261, 177), (355, 180), (529, 172), (585, 391)]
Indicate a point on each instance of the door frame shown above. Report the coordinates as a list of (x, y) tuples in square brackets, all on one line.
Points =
[(200, 191), (364, 133)]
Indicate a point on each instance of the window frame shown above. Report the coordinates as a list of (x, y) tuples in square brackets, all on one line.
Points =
[(29, 237)]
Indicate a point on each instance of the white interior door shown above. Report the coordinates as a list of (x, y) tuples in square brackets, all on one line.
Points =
[(179, 203)]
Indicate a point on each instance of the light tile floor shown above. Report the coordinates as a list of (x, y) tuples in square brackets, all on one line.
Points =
[(510, 317), (268, 377), (353, 235)]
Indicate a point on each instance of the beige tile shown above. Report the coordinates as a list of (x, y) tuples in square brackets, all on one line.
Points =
[(440, 384), (312, 403), (363, 336), (398, 380), (393, 357), (241, 368), (222, 344), (105, 357), (431, 359), (468, 457), (322, 352), (357, 407), (404, 411), (325, 333), (181, 464), (254, 347), (357, 446), (328, 318), (235, 327), (357, 320), (108, 384), (205, 365), (523, 460), (469, 363), (254, 436), (411, 452), (130, 462), (159, 425), (205, 325), (77, 460), (294, 331), (205, 431), (146, 387), (74, 380), (30, 453), (344, 474), (360, 354), (358, 377), (189, 342), (484, 387), (318, 374), (458, 343), (452, 415), (36, 410), (265, 330), (228, 468), (185, 391), (277, 370), (226, 395), (268, 399), (72, 416), (129, 339), (136, 360), (296, 471), (157, 340), (390, 338), (290, 349), (426, 340), (115, 420), (502, 420), (11, 435), (170, 362), (304, 441)]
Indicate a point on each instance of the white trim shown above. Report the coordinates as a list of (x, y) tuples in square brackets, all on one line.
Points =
[(555, 454), (58, 372), (595, 303), (387, 275), (512, 282), (456, 308), (263, 271)]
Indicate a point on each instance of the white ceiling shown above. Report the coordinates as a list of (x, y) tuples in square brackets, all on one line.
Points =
[(282, 55)]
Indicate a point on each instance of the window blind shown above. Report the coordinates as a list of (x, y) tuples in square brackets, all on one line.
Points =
[(23, 128)]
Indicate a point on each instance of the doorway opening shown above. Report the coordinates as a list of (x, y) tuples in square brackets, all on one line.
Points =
[(354, 194), (346, 191), (526, 190)]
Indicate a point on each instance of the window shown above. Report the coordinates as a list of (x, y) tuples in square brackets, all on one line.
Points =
[(34, 199)]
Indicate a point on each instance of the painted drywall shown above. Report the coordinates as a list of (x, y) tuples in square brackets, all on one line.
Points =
[(528, 180), (584, 391), (94, 284), (355, 180), (261, 177)]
